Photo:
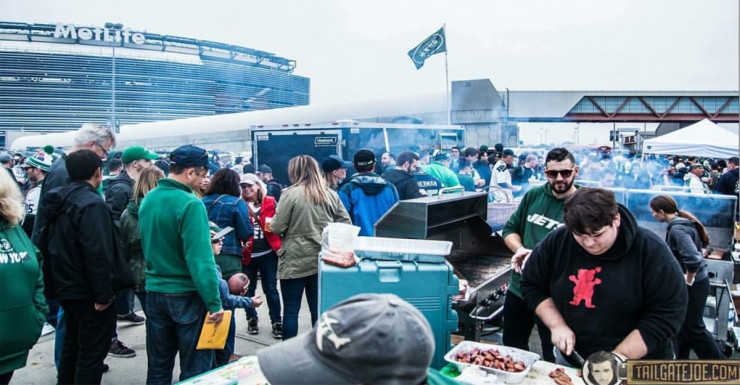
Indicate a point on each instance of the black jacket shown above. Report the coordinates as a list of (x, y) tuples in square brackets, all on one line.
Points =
[(636, 284), (82, 246), (727, 183), (274, 189), (56, 177), (120, 192), (404, 182)]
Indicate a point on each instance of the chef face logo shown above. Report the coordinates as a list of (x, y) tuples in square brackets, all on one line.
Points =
[(5, 246)]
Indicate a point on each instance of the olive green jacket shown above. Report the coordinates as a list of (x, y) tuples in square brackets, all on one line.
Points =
[(299, 224)]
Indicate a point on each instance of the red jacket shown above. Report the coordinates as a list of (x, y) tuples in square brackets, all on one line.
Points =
[(266, 211)]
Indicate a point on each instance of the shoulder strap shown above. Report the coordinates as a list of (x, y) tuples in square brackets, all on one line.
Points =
[(214, 203)]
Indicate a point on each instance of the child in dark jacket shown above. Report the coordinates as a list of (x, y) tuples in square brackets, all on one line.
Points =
[(229, 301)]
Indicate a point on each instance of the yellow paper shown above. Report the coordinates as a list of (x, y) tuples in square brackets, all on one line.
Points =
[(212, 336)]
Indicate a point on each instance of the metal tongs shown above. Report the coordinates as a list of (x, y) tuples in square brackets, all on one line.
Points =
[(574, 360)]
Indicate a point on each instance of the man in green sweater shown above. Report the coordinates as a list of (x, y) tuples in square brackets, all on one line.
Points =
[(181, 278), (540, 212)]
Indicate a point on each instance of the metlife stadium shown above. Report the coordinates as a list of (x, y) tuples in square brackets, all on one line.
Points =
[(56, 77)]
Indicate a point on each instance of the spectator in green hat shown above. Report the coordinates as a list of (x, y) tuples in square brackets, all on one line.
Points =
[(121, 188)]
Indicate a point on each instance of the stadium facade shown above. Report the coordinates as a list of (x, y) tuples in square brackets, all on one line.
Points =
[(56, 77)]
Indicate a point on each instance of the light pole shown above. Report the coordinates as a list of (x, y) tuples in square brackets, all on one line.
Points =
[(113, 28)]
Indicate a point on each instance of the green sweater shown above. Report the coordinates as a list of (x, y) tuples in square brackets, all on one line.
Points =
[(443, 173), (22, 303), (538, 214), (176, 241)]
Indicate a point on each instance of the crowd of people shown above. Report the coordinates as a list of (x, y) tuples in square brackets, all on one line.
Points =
[(171, 230)]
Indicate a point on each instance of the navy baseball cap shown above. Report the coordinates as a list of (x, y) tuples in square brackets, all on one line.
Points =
[(189, 156), (334, 162), (508, 152), (264, 169)]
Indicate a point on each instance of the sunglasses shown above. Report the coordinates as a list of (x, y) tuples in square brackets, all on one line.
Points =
[(554, 173)]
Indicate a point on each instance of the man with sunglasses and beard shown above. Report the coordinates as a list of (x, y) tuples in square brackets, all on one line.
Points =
[(539, 213)]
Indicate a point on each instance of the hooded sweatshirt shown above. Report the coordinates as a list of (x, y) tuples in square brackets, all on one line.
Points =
[(404, 182), (684, 240), (367, 197), (538, 214), (83, 246), (636, 284), (120, 192)]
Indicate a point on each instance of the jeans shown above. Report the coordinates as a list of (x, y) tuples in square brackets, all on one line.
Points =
[(173, 326), (54, 307), (125, 302), (693, 334), (518, 323), (59, 337), (222, 356), (86, 341), (292, 292), (267, 267)]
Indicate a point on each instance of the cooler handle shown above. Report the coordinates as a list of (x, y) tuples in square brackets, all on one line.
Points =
[(450, 189), (389, 271)]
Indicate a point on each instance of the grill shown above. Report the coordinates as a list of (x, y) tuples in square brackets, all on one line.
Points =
[(477, 255)]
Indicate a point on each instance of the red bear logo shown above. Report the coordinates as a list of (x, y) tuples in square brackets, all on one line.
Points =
[(584, 289)]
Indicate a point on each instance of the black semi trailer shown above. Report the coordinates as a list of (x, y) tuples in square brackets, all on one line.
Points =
[(276, 145)]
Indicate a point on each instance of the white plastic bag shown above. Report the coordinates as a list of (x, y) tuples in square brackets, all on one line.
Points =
[(337, 244)]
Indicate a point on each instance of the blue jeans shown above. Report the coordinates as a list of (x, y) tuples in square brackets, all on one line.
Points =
[(125, 302), (292, 292), (267, 267), (173, 325), (59, 337)]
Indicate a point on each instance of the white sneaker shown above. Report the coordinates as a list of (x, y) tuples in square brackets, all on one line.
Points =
[(47, 329)]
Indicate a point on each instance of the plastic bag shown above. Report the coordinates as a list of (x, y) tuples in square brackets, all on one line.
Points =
[(337, 244)]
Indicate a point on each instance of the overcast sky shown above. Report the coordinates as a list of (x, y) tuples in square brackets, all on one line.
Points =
[(356, 50)]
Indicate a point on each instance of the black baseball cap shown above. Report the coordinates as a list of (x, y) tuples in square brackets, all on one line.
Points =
[(508, 152), (364, 158), (264, 169), (189, 156), (334, 162)]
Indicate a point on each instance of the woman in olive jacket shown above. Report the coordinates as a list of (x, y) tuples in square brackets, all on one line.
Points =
[(130, 233), (22, 303), (305, 208)]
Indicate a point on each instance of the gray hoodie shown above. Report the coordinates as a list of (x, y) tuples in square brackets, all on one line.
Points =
[(685, 242)]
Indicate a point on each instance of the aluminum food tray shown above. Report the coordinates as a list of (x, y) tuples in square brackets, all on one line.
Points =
[(528, 358), (399, 249)]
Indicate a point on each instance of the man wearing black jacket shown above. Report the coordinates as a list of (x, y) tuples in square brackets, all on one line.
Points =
[(88, 267), (400, 176), (121, 187), (602, 283)]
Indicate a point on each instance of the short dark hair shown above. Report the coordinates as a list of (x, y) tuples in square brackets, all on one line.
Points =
[(559, 154), (470, 151), (589, 209), (82, 164), (734, 160), (224, 181), (115, 164), (406, 156), (598, 358), (248, 169)]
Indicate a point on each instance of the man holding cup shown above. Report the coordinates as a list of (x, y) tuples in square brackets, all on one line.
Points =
[(260, 252)]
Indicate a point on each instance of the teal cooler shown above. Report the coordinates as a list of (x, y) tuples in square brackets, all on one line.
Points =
[(427, 286)]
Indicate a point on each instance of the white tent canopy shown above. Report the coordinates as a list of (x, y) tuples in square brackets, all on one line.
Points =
[(699, 139)]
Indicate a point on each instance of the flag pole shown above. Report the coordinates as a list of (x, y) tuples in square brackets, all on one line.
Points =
[(447, 76)]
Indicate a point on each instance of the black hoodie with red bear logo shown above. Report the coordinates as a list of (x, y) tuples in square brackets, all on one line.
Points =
[(636, 284)]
